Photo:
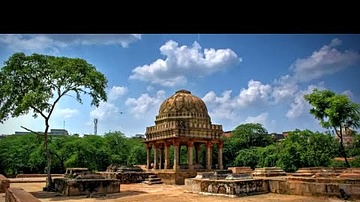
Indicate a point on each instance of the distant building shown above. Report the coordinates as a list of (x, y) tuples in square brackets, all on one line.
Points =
[(277, 137), (53, 132), (227, 133), (139, 136), (348, 136)]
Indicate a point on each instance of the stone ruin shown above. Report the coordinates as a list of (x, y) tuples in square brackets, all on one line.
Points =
[(225, 182), (81, 181), (126, 174), (343, 183)]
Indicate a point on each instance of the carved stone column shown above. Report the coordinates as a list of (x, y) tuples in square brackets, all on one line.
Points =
[(167, 155), (220, 154), (190, 147), (209, 155), (176, 155), (161, 158), (197, 153), (148, 156), (156, 156)]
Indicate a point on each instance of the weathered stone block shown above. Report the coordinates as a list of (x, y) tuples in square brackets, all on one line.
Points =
[(4, 184), (19, 195), (74, 187)]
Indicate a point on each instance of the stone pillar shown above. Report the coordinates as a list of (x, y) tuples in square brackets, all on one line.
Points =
[(148, 156), (190, 157), (161, 149), (167, 155), (155, 157), (176, 155), (208, 155), (220, 154), (197, 153)]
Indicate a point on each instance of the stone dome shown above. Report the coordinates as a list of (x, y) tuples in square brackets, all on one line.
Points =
[(183, 102)]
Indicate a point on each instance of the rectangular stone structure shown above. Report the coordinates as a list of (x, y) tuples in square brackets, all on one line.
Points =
[(4, 184), (75, 187), (19, 195)]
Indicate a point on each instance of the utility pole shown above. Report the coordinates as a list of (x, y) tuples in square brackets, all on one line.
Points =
[(95, 126)]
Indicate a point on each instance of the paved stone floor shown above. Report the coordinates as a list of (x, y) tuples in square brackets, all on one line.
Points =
[(160, 193)]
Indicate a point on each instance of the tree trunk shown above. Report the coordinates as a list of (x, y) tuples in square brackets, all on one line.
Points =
[(48, 156), (343, 148)]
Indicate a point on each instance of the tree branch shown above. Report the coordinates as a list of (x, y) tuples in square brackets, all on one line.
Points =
[(31, 130), (38, 111)]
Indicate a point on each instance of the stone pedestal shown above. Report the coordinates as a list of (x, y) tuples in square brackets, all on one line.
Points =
[(269, 172)]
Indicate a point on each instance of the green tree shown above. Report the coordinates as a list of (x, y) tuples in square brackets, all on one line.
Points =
[(36, 83), (334, 111), (245, 136), (247, 157)]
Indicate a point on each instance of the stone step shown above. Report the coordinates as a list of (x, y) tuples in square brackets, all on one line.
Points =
[(153, 179), (152, 176), (152, 182)]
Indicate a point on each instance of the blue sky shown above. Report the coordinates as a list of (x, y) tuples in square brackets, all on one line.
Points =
[(241, 77)]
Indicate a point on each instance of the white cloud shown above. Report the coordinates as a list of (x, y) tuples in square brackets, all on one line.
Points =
[(105, 111), (220, 107), (41, 42), (327, 60), (261, 118), (116, 92), (66, 112), (225, 106), (349, 93), (145, 103), (182, 61), (300, 105), (284, 88), (255, 93)]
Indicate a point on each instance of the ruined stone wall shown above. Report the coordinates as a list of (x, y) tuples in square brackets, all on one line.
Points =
[(75, 187), (231, 188), (4, 184), (37, 175), (19, 195), (127, 177)]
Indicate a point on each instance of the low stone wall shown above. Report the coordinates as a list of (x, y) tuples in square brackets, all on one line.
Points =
[(75, 187), (4, 184), (19, 195), (316, 187), (241, 170), (230, 188), (127, 177), (37, 175)]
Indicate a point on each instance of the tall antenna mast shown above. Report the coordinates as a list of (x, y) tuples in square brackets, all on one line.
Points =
[(95, 126)]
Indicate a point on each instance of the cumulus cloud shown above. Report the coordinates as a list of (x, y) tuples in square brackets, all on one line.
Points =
[(117, 91), (256, 92), (327, 60), (66, 112), (220, 107), (52, 42), (226, 106), (181, 61), (145, 103), (284, 88), (300, 105), (105, 111), (261, 118)]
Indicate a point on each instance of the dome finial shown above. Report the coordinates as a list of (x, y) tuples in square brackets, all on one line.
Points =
[(183, 91)]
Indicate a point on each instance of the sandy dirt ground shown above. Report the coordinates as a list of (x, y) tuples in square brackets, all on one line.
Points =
[(160, 193)]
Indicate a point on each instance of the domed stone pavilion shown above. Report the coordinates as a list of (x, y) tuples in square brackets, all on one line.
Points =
[(183, 120)]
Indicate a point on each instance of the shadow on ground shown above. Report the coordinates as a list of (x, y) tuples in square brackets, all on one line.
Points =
[(54, 196)]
